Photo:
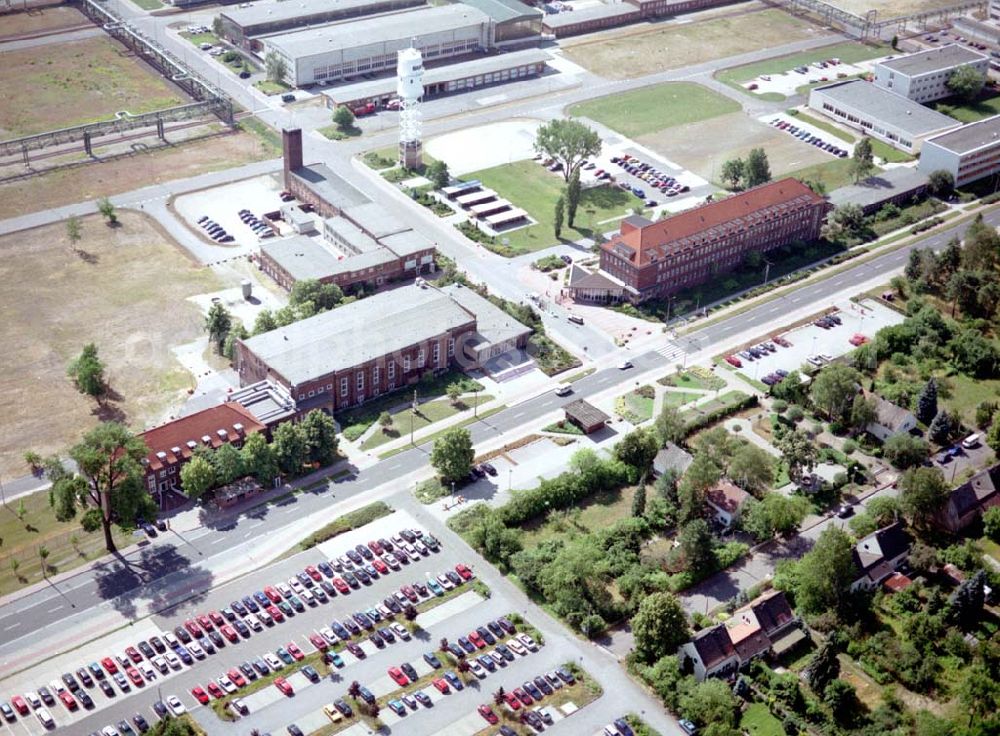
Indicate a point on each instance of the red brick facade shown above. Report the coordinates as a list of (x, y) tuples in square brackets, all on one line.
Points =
[(692, 247)]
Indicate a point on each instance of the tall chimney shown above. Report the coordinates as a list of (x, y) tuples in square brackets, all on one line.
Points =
[(291, 146)]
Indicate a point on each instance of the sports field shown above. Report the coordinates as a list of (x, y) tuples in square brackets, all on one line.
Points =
[(669, 46), (651, 109), (86, 81)]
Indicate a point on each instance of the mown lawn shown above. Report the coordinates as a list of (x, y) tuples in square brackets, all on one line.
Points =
[(758, 721), (834, 174), (985, 106), (426, 415), (651, 109)]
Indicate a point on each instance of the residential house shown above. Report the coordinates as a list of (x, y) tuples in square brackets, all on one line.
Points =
[(725, 500), (890, 419), (967, 503), (711, 653), (879, 555), (672, 457)]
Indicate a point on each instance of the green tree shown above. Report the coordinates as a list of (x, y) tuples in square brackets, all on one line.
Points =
[(710, 703), (940, 183), (701, 475), (567, 141), (883, 509), (639, 501), (227, 462), (573, 191), (277, 68), (922, 493), (385, 421), (821, 579), (323, 296), (669, 425), (823, 667), (452, 454), (494, 539), (757, 170), (833, 390), (290, 449), (343, 118), (732, 173), (637, 449), (696, 543), (846, 222), (74, 231), (941, 428), (238, 332), (108, 482), (774, 514), (437, 172), (87, 372), (107, 211), (197, 477), (751, 468), (966, 83), (904, 450), (979, 693), (557, 216), (791, 389), (454, 392), (659, 626), (218, 323), (265, 322), (320, 434), (973, 354), (863, 412), (259, 459), (927, 406), (798, 452), (840, 696), (967, 601), (863, 161), (991, 523)]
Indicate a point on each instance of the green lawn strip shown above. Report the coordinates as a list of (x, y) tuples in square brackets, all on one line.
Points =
[(427, 414), (579, 374), (336, 133), (848, 53), (823, 125), (692, 379), (758, 721), (432, 437), (533, 188), (598, 511), (679, 398), (833, 174), (262, 130), (436, 600), (640, 727), (563, 427), (431, 490), (551, 357), (199, 38), (651, 109), (893, 155), (987, 105), (354, 422), (272, 88), (730, 398), (148, 4), (635, 407), (347, 522)]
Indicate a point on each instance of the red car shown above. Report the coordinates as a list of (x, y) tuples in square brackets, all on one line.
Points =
[(237, 677), (313, 573), (476, 639), (342, 587), (295, 651), (134, 676), (513, 702), (318, 641), (199, 694), (442, 685), (282, 684), (734, 361), (67, 700), (205, 622), (487, 712), (375, 547), (272, 594), (109, 665), (523, 696), (397, 674), (133, 654), (229, 632), (276, 613), (217, 618), (409, 592), (383, 569), (193, 628), (464, 571), (22, 706), (215, 691)]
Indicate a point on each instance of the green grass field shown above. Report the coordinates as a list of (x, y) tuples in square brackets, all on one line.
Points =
[(598, 511), (833, 174), (535, 189), (428, 413), (679, 398), (758, 721), (650, 109), (691, 379), (987, 105)]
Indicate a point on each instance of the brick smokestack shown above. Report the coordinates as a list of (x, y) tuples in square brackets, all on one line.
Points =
[(291, 146)]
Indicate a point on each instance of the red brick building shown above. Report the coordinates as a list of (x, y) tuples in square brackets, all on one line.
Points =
[(172, 444), (657, 259)]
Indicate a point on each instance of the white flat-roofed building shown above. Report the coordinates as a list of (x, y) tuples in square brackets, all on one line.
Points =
[(923, 77), (969, 153), (369, 45), (892, 118)]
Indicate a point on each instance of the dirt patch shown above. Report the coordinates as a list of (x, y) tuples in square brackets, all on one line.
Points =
[(123, 174), (671, 46), (86, 81), (702, 147), (891, 8), (126, 291), (40, 20)]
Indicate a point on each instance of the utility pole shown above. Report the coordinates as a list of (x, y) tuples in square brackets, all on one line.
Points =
[(767, 270), (413, 411)]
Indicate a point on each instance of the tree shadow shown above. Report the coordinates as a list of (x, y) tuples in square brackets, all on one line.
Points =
[(91, 259), (422, 635), (160, 576), (108, 412)]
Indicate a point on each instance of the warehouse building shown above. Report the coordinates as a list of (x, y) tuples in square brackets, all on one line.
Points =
[(923, 77), (657, 259), (242, 26), (379, 344), (968, 153), (898, 186), (599, 17), (885, 115), (514, 23), (369, 45), (447, 79)]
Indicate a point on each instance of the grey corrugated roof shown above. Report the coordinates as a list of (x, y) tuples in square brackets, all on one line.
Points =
[(351, 233), (375, 219), (378, 29), (407, 243), (328, 186), (358, 332), (880, 104), (492, 323), (880, 187), (969, 137), (302, 257), (503, 11), (560, 20), (285, 11), (932, 60)]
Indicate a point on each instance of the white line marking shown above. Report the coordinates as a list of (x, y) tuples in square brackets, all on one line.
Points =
[(57, 608), (12, 626)]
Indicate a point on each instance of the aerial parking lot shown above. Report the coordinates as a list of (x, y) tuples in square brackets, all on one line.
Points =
[(223, 205)]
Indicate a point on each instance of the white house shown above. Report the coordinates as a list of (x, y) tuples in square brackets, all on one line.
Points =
[(879, 555), (726, 500), (890, 419)]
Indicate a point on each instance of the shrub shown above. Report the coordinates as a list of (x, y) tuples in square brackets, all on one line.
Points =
[(795, 414), (779, 406), (850, 446)]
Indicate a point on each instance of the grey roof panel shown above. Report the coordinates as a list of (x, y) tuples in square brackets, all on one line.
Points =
[(560, 20), (503, 11), (970, 137), (880, 187), (302, 257), (492, 323), (880, 104), (280, 12), (330, 187), (932, 60)]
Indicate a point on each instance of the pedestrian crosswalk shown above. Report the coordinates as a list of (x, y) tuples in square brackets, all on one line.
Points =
[(671, 351)]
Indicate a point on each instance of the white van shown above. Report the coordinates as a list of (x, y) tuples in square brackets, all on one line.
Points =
[(564, 389), (971, 441)]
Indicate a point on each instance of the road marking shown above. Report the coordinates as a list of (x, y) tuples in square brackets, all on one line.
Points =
[(518, 415), (12, 626), (218, 541), (57, 608)]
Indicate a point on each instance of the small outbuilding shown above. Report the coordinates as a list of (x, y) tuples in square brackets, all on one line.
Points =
[(586, 416)]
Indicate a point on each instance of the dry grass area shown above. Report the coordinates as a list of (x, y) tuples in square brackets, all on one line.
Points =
[(123, 174), (891, 8), (40, 20), (126, 291), (702, 147), (86, 81), (670, 46)]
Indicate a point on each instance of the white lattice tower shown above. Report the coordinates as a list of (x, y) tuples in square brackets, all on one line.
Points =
[(410, 89)]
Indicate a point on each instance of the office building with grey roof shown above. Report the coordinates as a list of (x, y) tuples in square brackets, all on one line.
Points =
[(969, 153), (896, 186), (369, 45), (891, 118), (361, 350), (923, 77), (514, 22)]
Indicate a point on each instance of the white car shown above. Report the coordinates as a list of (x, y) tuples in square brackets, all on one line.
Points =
[(175, 705), (265, 617), (170, 639), (517, 647), (498, 658), (384, 610), (159, 663), (477, 669), (146, 670), (625, 365), (196, 650), (528, 642), (253, 622), (391, 561), (45, 718), (445, 582), (295, 585), (409, 550), (401, 631), (345, 562), (327, 633), (420, 547), (110, 731), (308, 598), (172, 659), (57, 687), (284, 590), (273, 662), (226, 684), (33, 700)]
